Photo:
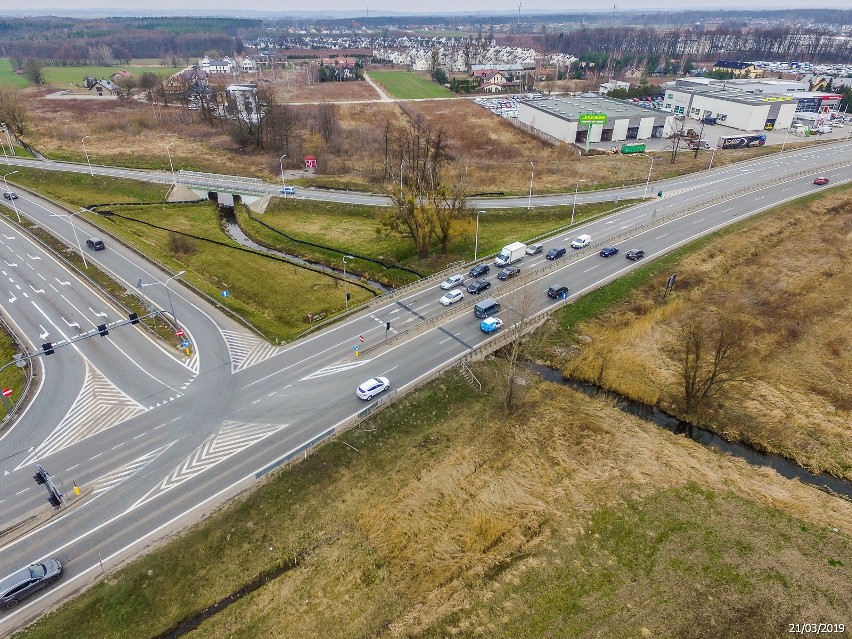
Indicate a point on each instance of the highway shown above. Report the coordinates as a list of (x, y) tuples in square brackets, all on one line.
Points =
[(197, 430)]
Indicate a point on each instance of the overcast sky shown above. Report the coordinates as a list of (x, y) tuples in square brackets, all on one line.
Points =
[(375, 7)]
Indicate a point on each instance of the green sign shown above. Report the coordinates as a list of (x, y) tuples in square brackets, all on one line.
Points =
[(632, 148), (593, 118)]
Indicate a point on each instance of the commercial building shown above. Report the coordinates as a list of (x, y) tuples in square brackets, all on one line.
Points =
[(558, 119), (733, 108)]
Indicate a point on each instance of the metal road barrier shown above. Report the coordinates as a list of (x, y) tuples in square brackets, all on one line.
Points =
[(217, 177)]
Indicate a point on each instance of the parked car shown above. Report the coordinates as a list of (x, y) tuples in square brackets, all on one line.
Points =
[(609, 251), (820, 181), (509, 271), (288, 190), (479, 270), (10, 195), (555, 253), (452, 297), (580, 241), (372, 387), (27, 580), (452, 281), (557, 291), (477, 286), (490, 324), (708, 120), (535, 249), (635, 254), (95, 244)]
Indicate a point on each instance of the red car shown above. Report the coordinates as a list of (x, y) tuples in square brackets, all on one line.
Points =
[(821, 180)]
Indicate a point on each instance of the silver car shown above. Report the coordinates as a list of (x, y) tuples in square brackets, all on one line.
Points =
[(27, 580), (452, 281)]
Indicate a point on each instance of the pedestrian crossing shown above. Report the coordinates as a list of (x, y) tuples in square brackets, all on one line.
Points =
[(231, 438), (100, 405), (112, 479), (247, 350), (337, 368)]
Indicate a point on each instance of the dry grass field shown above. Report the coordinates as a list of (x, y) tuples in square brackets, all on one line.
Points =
[(789, 272), (436, 522)]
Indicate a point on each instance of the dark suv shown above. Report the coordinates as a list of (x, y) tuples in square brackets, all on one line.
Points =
[(555, 253), (95, 244), (27, 580), (479, 270), (557, 291), (477, 286)]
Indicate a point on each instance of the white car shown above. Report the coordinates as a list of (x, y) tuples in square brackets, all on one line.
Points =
[(580, 241), (372, 387), (452, 281), (453, 296)]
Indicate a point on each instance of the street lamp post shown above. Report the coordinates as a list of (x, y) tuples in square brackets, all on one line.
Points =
[(171, 165), (9, 140), (713, 155), (650, 169), (14, 206), (76, 237), (85, 150), (476, 237), (139, 284), (345, 287), (574, 207), (281, 164), (532, 174), (400, 179)]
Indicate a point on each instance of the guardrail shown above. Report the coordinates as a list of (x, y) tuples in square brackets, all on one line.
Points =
[(198, 175)]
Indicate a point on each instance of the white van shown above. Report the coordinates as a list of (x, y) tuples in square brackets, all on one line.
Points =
[(824, 129), (288, 190), (580, 241)]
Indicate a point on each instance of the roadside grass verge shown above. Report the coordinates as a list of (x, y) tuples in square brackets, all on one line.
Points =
[(431, 521), (8, 78), (407, 85)]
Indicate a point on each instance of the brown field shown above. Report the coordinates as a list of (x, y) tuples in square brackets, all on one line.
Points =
[(790, 273), (294, 88), (490, 153)]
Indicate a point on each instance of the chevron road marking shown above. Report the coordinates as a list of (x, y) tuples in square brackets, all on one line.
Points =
[(232, 438), (100, 405), (337, 368), (114, 478), (247, 350)]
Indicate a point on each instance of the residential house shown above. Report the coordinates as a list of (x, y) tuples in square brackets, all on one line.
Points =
[(494, 82), (225, 65), (738, 69)]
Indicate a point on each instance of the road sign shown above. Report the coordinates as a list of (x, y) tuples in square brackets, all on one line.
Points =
[(632, 148), (179, 332), (356, 348), (361, 338), (225, 293), (184, 343), (7, 392)]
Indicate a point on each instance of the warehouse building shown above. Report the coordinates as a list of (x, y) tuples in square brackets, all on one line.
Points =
[(558, 119), (736, 109)]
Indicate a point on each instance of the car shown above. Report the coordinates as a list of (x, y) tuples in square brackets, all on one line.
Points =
[(477, 286), (288, 190), (95, 244), (708, 120), (555, 253), (509, 271), (10, 195), (635, 254), (372, 387), (479, 270), (452, 297), (558, 291), (535, 249), (821, 181), (27, 580), (452, 281), (609, 251), (490, 324), (580, 241)]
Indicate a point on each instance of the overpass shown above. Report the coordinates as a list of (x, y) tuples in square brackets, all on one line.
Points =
[(223, 189)]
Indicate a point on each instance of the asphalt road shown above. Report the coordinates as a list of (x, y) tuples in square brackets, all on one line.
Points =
[(241, 407)]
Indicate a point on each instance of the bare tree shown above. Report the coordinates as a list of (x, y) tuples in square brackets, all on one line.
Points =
[(519, 319), (13, 111), (34, 70), (708, 351)]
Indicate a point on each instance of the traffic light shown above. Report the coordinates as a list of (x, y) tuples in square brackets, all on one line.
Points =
[(134, 318), (40, 476), (54, 500), (387, 326), (47, 348), (348, 297), (103, 331)]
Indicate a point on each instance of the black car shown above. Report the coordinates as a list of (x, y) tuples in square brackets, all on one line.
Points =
[(10, 195), (95, 244), (555, 253), (609, 251), (479, 270), (557, 291), (27, 580), (477, 286), (509, 271), (634, 254)]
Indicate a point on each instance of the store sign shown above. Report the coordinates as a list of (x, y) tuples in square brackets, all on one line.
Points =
[(632, 148), (592, 118)]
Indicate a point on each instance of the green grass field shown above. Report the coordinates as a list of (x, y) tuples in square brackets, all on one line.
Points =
[(64, 77), (408, 85)]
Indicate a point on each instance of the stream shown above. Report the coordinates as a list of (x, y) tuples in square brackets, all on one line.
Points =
[(782, 465)]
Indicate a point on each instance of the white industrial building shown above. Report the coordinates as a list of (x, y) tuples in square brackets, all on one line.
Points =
[(558, 118), (732, 108)]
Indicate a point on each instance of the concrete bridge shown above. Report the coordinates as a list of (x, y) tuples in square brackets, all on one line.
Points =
[(226, 190)]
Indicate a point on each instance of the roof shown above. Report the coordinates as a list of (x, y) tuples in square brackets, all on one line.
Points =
[(737, 95), (732, 64), (570, 108)]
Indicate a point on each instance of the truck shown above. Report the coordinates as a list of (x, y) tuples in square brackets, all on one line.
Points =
[(490, 324), (510, 254), (742, 141)]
